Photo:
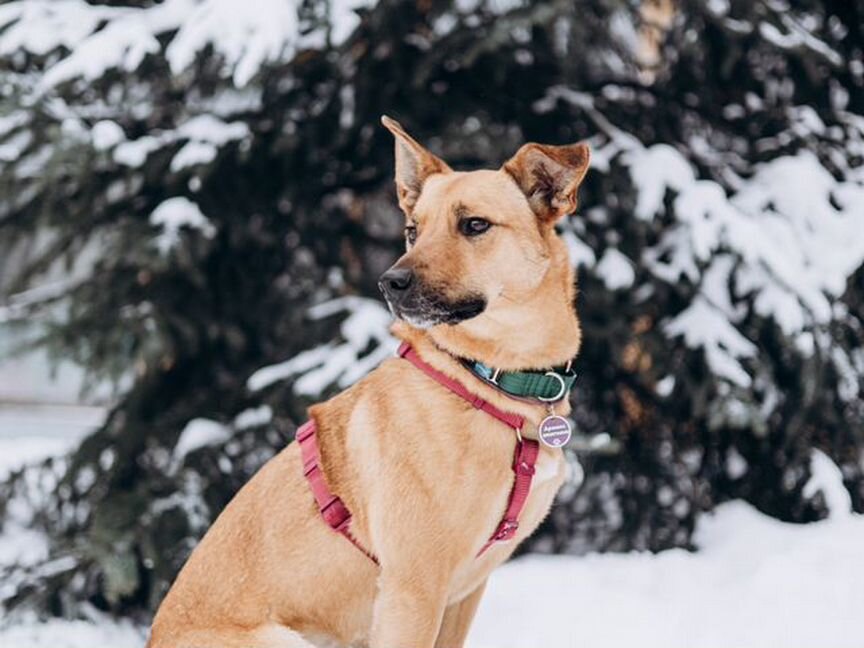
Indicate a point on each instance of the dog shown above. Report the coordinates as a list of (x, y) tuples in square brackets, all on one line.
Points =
[(484, 291)]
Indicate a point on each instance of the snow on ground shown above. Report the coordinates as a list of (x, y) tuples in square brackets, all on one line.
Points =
[(755, 583), (72, 634)]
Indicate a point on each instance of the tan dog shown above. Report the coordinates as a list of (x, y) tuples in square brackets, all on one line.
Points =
[(425, 475)]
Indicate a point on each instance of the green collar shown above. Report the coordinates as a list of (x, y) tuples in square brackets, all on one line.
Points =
[(547, 386)]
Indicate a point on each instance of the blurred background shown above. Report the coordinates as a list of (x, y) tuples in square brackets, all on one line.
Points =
[(196, 200)]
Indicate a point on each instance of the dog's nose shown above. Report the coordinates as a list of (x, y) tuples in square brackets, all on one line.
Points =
[(395, 282)]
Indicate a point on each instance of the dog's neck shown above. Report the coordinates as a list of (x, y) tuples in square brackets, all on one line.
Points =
[(532, 331)]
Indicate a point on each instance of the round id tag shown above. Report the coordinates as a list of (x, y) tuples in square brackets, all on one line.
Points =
[(554, 431)]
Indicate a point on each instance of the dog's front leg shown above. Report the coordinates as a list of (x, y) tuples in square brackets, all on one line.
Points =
[(408, 607), (457, 620)]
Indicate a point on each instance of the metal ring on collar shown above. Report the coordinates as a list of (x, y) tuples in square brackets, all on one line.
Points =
[(560, 393)]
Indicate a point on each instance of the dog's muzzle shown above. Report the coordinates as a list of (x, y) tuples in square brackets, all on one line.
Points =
[(422, 306)]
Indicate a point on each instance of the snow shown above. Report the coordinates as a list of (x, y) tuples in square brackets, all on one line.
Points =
[(199, 433), (204, 135), (92, 39), (177, 213), (133, 153), (754, 583), (253, 417), (665, 386), (41, 26), (344, 363), (702, 325), (29, 433), (786, 240), (616, 270), (825, 476), (106, 134), (122, 43), (797, 37), (246, 34), (580, 254), (193, 153), (654, 170), (793, 225), (344, 17), (61, 633), (736, 465)]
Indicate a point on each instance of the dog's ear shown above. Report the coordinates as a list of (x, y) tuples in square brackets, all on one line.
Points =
[(549, 176), (413, 165)]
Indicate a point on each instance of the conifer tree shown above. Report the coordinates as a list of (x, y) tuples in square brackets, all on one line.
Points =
[(203, 201)]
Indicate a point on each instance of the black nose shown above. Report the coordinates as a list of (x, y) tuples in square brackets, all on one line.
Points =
[(395, 282)]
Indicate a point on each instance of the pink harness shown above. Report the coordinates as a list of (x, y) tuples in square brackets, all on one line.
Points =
[(338, 517)]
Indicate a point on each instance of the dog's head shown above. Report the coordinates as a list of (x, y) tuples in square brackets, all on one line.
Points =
[(476, 240)]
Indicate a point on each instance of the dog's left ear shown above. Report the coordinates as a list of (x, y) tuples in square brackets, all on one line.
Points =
[(549, 176)]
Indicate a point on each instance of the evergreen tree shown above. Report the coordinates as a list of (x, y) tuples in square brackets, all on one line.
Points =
[(201, 189)]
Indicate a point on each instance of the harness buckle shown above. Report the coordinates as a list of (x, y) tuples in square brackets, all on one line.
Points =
[(506, 530), (336, 514), (522, 467)]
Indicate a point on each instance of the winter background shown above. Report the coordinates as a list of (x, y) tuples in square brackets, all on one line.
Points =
[(196, 200)]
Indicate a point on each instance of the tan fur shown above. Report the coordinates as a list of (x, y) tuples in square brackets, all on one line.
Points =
[(425, 475)]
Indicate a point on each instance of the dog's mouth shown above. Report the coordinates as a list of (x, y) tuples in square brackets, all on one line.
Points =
[(423, 310)]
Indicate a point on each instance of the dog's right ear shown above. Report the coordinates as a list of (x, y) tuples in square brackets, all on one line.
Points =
[(413, 165), (549, 176)]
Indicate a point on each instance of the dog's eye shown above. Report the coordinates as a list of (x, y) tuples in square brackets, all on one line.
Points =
[(411, 234), (473, 226)]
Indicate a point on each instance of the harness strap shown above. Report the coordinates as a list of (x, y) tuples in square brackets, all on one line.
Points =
[(523, 465), (332, 508), (338, 517), (524, 456), (513, 420)]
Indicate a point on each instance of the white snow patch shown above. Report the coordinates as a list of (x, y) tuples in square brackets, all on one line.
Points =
[(106, 134), (578, 251), (175, 214), (266, 376), (193, 153), (616, 270), (654, 170), (92, 39), (367, 323), (21, 546), (702, 325), (344, 17), (736, 464), (665, 386), (246, 34), (198, 433), (134, 152), (205, 134), (827, 477), (253, 417)]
